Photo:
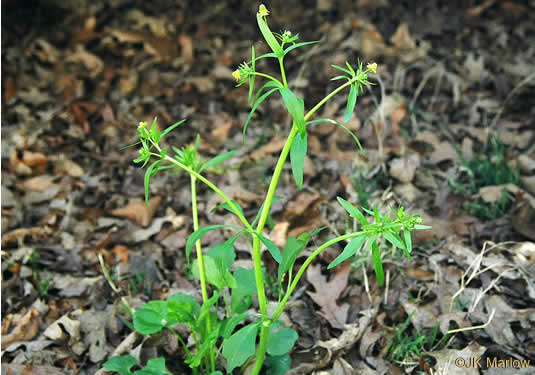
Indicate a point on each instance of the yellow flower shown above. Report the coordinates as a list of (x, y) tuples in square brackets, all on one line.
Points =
[(141, 125), (372, 67), (236, 74), (263, 10)]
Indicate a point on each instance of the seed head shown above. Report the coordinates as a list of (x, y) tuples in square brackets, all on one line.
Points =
[(263, 10)]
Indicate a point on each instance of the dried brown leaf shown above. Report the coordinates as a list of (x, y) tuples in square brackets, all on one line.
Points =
[(138, 211)]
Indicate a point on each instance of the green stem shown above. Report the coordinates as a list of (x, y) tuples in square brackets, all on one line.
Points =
[(200, 257), (262, 347), (268, 77), (261, 350), (282, 304), (283, 74)]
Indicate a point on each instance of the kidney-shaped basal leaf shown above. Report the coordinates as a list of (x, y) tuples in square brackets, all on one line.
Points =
[(223, 253), (121, 364), (182, 308), (351, 248), (217, 276), (298, 152), (281, 340), (151, 317), (278, 365), (240, 346), (155, 366)]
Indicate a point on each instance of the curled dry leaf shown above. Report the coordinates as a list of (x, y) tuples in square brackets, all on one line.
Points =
[(404, 169), (39, 183), (186, 43), (138, 211), (279, 234), (26, 327), (63, 329)]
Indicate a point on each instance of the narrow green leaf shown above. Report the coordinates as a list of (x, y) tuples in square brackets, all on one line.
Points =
[(295, 107), (201, 232), (269, 37), (352, 211), (252, 76), (342, 69), (350, 69), (349, 250), (396, 240), (275, 199), (207, 305), (231, 324), (281, 341), (291, 250), (255, 105), (297, 158), (148, 173), (267, 85), (218, 159), (339, 78), (297, 45), (166, 131), (408, 240), (340, 125), (421, 227), (271, 54), (240, 346), (121, 364), (377, 264), (272, 248), (232, 209), (351, 101)]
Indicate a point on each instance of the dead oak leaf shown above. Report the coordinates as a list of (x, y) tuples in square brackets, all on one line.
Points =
[(26, 329), (138, 211), (328, 292)]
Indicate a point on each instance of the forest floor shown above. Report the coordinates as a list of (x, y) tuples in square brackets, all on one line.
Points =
[(448, 131)]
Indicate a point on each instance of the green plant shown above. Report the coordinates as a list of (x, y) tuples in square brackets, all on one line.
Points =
[(407, 346), (488, 169), (235, 336)]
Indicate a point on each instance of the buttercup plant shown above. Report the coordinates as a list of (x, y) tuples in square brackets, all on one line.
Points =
[(246, 339)]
